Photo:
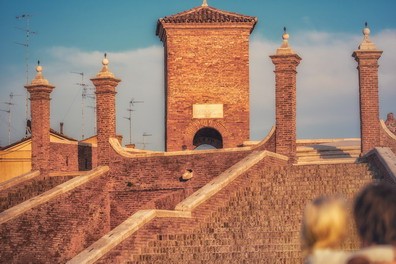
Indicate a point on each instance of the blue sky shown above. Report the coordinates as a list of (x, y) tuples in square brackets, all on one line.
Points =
[(73, 35)]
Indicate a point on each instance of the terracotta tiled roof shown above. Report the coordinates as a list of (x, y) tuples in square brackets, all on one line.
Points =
[(207, 15)]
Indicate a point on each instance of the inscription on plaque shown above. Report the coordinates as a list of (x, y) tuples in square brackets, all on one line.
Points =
[(208, 111)]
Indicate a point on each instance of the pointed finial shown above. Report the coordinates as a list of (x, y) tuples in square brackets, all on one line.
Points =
[(205, 3), (366, 31), (105, 61), (39, 69), (285, 36), (105, 69), (366, 44), (284, 48)]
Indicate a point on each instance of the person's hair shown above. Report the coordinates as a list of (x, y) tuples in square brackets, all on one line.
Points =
[(324, 224), (375, 214)]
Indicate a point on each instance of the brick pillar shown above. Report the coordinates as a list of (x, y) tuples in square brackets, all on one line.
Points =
[(40, 91), (105, 85), (286, 62), (367, 57)]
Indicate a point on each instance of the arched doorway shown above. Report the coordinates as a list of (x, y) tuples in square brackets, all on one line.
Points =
[(208, 136)]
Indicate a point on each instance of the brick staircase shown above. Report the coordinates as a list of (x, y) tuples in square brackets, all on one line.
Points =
[(255, 219), (329, 153), (28, 189)]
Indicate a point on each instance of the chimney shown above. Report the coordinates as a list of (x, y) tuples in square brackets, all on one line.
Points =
[(61, 128)]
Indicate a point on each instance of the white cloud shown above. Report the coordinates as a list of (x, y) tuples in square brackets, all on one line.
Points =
[(327, 87)]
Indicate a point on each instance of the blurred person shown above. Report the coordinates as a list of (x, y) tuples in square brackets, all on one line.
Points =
[(375, 216), (324, 228)]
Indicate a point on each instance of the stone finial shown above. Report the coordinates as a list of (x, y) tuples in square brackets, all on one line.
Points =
[(285, 48), (39, 79), (205, 3), (366, 43), (105, 69)]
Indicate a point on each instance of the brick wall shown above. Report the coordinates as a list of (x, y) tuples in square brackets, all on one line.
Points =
[(28, 189), (206, 65), (154, 182), (59, 229), (256, 219), (388, 139), (72, 157)]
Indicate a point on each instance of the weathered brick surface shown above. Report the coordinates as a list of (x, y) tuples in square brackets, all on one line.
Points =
[(40, 92), (286, 104), (368, 98), (56, 231), (105, 90), (72, 157), (256, 219), (387, 140), (154, 182), (206, 64), (28, 189)]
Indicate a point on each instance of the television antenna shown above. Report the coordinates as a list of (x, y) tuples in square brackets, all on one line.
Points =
[(84, 95), (9, 112), (26, 44), (94, 109), (132, 102)]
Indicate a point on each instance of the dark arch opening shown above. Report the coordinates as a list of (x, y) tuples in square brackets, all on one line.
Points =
[(208, 136)]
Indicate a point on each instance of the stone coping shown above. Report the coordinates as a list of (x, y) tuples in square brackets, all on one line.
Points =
[(217, 184), (19, 179), (138, 153), (121, 232), (306, 141), (387, 131), (320, 148), (68, 173), (325, 140), (21, 208), (182, 210), (387, 158)]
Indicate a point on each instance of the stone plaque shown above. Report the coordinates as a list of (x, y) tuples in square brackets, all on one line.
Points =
[(208, 111)]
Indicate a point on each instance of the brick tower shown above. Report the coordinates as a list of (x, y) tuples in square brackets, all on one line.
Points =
[(105, 90), (206, 77), (40, 91), (367, 57), (286, 62)]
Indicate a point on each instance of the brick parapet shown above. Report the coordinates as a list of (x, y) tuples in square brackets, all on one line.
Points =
[(388, 139), (285, 104), (71, 216), (368, 97), (250, 217)]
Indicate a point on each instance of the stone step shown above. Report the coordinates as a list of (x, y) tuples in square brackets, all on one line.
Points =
[(328, 161), (327, 153)]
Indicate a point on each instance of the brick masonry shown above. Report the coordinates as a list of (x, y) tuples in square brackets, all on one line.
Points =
[(368, 97), (56, 231), (105, 90), (40, 91), (255, 219), (206, 63), (72, 157), (286, 104)]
